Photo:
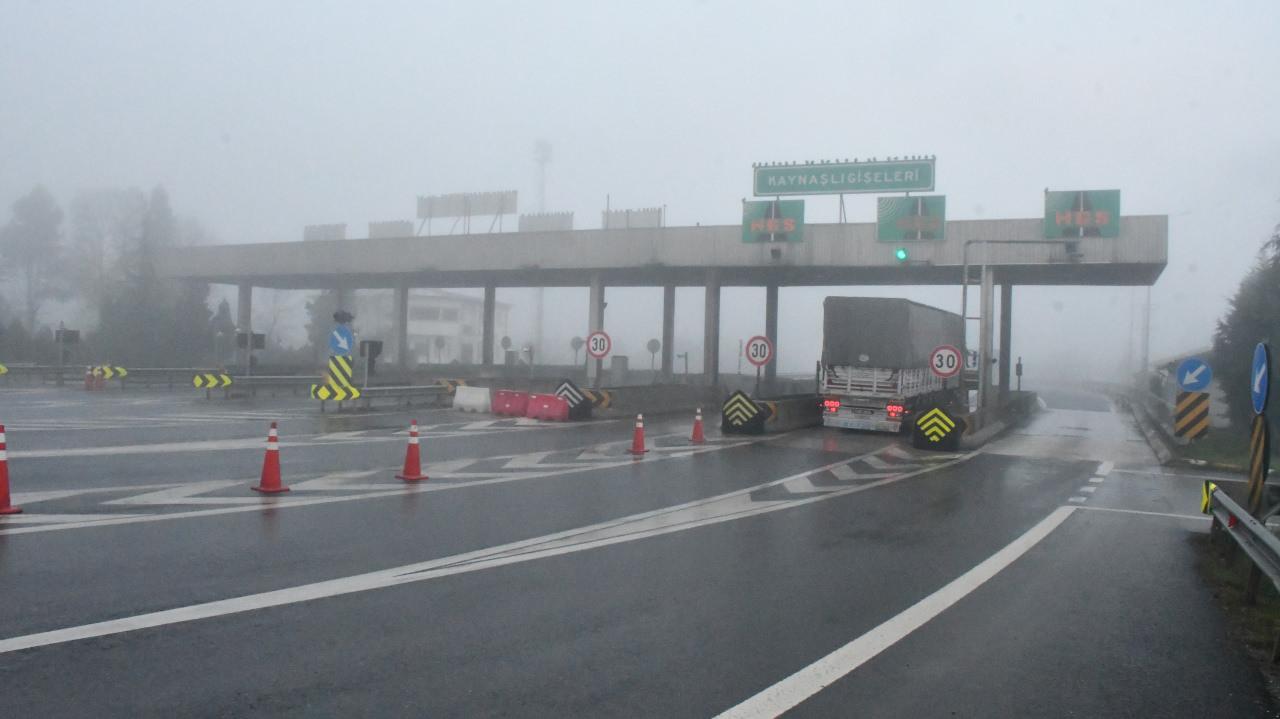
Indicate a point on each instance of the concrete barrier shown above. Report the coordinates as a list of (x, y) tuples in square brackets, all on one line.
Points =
[(741, 414), (509, 403), (472, 399), (547, 406)]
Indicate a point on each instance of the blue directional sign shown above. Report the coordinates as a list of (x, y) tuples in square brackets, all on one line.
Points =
[(1194, 375), (1260, 377), (341, 340)]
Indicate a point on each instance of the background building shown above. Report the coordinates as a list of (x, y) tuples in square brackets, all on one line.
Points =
[(446, 327)]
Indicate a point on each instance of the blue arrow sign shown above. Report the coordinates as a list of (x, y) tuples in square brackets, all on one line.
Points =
[(1260, 377), (1194, 375), (341, 340)]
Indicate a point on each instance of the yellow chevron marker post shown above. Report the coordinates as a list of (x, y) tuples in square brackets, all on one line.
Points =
[(935, 424), (1206, 494)]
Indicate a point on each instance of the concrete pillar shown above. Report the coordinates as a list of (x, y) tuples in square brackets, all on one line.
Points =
[(400, 325), (486, 333), (711, 331), (595, 322), (985, 327), (344, 299), (668, 331), (771, 330), (1006, 337), (244, 321)]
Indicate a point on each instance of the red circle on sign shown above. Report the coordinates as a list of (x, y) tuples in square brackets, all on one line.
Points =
[(598, 344), (759, 350), (945, 361)]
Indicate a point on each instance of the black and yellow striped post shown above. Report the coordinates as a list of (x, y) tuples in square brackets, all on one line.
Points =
[(1191, 415), (1259, 461)]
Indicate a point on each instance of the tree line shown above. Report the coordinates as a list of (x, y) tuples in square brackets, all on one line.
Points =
[(1253, 316), (99, 255)]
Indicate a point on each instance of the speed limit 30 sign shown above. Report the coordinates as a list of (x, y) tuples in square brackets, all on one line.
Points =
[(598, 344), (759, 350), (945, 362)]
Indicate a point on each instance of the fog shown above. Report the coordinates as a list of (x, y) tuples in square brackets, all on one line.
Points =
[(260, 118)]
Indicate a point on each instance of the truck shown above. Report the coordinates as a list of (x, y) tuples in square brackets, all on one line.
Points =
[(874, 373)]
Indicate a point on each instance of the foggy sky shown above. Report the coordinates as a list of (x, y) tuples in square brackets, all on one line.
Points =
[(260, 118)]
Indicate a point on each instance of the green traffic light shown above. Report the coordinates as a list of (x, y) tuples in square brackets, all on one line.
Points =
[(900, 254)]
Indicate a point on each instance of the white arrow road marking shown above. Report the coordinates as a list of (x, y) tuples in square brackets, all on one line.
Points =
[(699, 513)]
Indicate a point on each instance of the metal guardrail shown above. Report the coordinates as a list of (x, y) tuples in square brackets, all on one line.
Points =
[(1258, 543), (405, 393)]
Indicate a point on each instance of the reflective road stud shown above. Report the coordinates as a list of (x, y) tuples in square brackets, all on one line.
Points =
[(5, 506), (412, 471), (270, 482)]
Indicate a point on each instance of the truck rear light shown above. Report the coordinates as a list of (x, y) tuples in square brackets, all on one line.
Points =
[(894, 410), (831, 405)]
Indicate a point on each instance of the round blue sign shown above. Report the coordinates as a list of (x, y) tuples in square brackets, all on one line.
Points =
[(1260, 377), (341, 339), (1194, 375)]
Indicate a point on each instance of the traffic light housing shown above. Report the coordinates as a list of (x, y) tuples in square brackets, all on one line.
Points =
[(901, 254)]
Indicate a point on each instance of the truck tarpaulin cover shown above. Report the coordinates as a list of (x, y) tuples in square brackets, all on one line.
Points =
[(892, 333)]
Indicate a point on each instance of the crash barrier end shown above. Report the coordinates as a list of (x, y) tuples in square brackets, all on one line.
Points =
[(740, 414)]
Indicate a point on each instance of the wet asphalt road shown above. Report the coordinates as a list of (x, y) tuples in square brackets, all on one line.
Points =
[(545, 573)]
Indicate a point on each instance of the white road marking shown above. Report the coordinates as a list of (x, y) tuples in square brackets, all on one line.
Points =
[(1097, 480), (846, 473), (1105, 468), (698, 513), (1087, 489), (1078, 499), (798, 687), (1175, 475), (61, 518), (277, 502), (1096, 508)]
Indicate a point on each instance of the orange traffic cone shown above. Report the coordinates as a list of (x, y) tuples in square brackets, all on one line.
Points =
[(637, 440), (5, 506), (412, 471), (697, 437), (270, 482)]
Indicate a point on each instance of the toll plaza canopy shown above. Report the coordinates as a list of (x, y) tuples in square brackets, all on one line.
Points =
[(830, 254)]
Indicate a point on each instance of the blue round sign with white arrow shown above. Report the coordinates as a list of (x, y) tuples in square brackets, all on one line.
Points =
[(341, 340), (1259, 377), (1194, 375)]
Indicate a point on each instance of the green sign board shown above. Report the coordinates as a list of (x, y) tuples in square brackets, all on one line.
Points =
[(1086, 213), (832, 178), (773, 221), (909, 219)]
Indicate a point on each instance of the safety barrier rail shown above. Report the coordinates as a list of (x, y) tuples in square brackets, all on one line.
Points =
[(437, 394), (1257, 542)]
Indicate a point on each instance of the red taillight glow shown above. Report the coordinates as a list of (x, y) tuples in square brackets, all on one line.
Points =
[(894, 410), (831, 405)]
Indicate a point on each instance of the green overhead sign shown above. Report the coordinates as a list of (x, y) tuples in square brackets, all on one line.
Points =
[(910, 219), (773, 221), (1085, 213), (831, 178)]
